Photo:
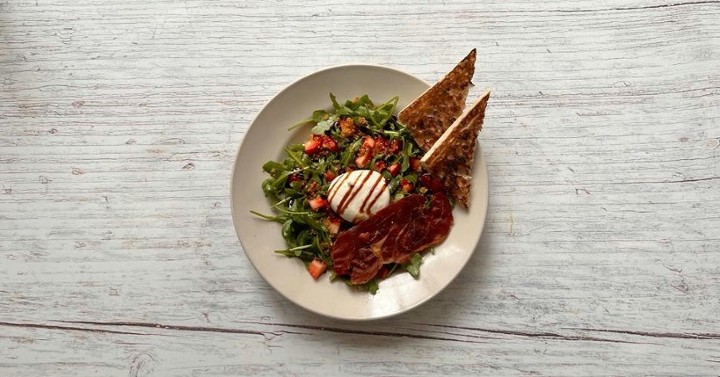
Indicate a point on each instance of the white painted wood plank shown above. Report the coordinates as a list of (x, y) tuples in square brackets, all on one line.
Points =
[(118, 128), (279, 349)]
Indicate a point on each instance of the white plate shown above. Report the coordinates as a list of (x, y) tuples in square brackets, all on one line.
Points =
[(265, 140)]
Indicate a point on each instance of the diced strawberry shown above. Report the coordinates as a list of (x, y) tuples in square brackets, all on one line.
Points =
[(381, 145), (317, 203), (406, 186), (332, 224), (415, 164), (380, 165), (316, 268), (368, 143), (432, 183), (320, 143), (329, 143), (329, 175), (362, 160), (313, 145), (394, 169), (395, 146)]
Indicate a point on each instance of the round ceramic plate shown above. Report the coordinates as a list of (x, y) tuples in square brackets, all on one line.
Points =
[(265, 140)]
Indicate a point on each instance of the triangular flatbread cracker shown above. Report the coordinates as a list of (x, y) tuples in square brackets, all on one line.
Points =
[(450, 159), (429, 115)]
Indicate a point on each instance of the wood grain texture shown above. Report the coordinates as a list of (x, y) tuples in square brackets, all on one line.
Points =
[(119, 122)]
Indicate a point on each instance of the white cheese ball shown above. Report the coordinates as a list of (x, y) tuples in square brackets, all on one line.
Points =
[(358, 194)]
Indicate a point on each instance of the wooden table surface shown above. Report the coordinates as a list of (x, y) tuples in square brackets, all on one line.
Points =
[(119, 123)]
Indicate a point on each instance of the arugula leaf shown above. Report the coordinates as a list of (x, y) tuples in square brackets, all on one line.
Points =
[(365, 101), (371, 286), (273, 168), (384, 111), (413, 267), (298, 159), (350, 105), (349, 153), (406, 152), (319, 115), (364, 112), (272, 188), (335, 103), (278, 219), (324, 125), (303, 252)]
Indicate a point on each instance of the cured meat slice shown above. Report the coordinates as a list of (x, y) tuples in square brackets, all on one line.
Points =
[(430, 226), (392, 235), (366, 263), (371, 231)]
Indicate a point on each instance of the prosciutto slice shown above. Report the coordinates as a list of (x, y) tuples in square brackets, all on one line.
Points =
[(392, 235)]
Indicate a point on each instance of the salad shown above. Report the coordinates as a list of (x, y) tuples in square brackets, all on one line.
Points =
[(357, 135)]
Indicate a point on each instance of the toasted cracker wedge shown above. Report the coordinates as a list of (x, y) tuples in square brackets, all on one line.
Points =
[(429, 115), (450, 159)]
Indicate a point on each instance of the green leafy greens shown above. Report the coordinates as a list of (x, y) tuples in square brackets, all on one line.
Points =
[(303, 177)]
